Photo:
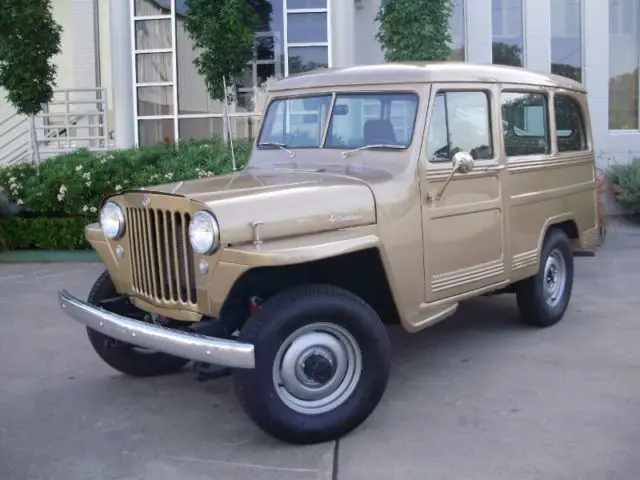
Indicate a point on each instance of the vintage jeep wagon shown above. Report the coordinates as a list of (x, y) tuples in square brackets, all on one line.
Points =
[(374, 195)]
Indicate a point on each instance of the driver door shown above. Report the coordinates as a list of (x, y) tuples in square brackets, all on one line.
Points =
[(463, 230)]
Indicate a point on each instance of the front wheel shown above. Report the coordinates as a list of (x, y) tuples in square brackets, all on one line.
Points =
[(123, 357), (543, 299), (322, 364)]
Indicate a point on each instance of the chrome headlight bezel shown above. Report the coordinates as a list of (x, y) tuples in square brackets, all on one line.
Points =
[(204, 223), (112, 212)]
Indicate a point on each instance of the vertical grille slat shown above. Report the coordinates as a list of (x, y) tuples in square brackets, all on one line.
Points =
[(161, 256)]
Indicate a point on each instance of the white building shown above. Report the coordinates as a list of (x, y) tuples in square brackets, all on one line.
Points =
[(139, 53)]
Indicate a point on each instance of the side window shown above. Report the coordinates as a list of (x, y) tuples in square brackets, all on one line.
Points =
[(569, 125), (525, 123), (461, 121)]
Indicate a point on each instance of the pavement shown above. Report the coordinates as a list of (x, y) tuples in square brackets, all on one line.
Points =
[(476, 397)]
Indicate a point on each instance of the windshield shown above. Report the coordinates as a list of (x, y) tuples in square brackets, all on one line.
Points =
[(357, 120)]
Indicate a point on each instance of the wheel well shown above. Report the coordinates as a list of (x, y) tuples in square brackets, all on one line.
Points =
[(570, 228), (362, 273)]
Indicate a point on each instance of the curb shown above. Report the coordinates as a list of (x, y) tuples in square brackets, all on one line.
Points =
[(49, 256)]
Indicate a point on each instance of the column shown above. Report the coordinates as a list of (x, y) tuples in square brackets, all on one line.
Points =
[(120, 19), (537, 35), (478, 31), (342, 25)]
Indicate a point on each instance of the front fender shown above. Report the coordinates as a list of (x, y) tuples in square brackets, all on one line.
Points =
[(296, 250)]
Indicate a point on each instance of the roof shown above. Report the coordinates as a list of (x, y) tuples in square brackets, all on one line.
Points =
[(427, 72)]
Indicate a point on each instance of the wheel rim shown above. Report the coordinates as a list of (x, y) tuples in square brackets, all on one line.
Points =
[(555, 278), (317, 368)]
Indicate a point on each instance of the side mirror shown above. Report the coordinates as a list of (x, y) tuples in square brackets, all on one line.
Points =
[(462, 163)]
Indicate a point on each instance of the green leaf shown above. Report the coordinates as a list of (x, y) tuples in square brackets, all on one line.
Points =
[(414, 30), (29, 39)]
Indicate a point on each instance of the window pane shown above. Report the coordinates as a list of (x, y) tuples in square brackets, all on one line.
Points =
[(144, 8), (292, 4), (524, 119), (457, 26), (569, 125), (153, 67), (155, 101), (566, 38), (624, 52), (307, 27), (151, 132), (296, 122), (372, 119), (437, 139), (153, 34), (461, 123), (507, 32), (200, 128), (193, 96), (304, 59)]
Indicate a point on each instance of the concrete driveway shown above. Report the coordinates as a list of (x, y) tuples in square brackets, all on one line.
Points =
[(476, 397)]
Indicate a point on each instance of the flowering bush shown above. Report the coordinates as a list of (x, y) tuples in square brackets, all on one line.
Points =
[(625, 184), (72, 186)]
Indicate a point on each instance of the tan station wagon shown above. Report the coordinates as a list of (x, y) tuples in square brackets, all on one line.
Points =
[(375, 195)]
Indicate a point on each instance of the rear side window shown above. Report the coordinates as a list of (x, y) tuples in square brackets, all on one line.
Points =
[(525, 123), (570, 126), (461, 121)]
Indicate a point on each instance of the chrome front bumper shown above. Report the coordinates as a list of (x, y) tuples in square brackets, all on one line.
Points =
[(222, 352)]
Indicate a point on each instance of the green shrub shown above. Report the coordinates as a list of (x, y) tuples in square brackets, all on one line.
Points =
[(61, 195), (75, 184), (625, 184), (19, 233)]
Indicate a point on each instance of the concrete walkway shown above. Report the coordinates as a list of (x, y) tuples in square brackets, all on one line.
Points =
[(476, 397)]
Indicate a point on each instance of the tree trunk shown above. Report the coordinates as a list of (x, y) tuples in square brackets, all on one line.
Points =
[(35, 149)]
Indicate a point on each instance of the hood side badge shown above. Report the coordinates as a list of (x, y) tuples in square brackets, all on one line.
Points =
[(146, 201), (347, 217), (256, 233)]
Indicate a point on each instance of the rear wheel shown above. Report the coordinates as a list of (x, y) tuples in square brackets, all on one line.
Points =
[(322, 364), (543, 299), (124, 357)]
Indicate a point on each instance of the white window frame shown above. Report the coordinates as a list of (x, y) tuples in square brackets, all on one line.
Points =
[(282, 48)]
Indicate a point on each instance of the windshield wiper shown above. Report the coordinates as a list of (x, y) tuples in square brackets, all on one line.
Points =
[(281, 146), (367, 147)]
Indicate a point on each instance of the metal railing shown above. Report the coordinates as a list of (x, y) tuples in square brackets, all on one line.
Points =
[(75, 118)]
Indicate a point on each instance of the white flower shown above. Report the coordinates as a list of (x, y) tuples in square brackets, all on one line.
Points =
[(13, 179), (118, 188), (60, 197), (88, 184), (78, 168), (168, 175), (93, 209), (85, 208), (86, 175), (20, 202), (62, 190)]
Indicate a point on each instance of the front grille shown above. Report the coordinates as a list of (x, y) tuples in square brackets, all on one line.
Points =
[(161, 255)]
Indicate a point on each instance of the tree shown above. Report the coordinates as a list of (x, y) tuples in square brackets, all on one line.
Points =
[(29, 39), (414, 30), (506, 54), (224, 32)]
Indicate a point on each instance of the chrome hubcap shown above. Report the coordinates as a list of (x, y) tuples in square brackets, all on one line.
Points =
[(555, 277), (317, 368)]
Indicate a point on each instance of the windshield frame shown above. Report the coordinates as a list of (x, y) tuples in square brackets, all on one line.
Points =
[(329, 119)]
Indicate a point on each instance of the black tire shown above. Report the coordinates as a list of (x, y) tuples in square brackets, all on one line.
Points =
[(530, 294), (286, 313), (126, 358)]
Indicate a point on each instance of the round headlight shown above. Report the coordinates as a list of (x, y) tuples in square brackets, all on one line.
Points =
[(112, 220), (204, 233)]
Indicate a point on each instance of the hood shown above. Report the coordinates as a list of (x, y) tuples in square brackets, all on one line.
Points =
[(286, 202)]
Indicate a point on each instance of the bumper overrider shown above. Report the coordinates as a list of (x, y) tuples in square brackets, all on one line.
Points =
[(192, 346)]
